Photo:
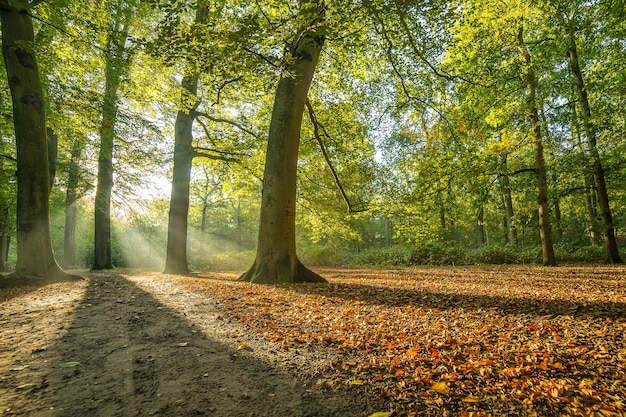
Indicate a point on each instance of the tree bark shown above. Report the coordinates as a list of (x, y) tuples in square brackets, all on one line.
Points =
[(71, 195), (35, 257), (116, 66), (545, 232), (177, 227), (508, 209), (610, 243), (176, 252), (276, 260), (53, 154)]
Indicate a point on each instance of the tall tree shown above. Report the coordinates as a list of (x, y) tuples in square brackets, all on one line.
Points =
[(276, 258), (176, 250), (545, 230), (610, 243), (117, 64), (34, 249)]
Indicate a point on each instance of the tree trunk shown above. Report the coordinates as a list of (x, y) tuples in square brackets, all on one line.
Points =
[(34, 248), (53, 154), (590, 191), (176, 252), (508, 209), (480, 226), (558, 230), (545, 232), (176, 249), (71, 195), (5, 237), (116, 66), (610, 243), (276, 260)]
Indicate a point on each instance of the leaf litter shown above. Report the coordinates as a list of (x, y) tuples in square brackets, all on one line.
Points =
[(482, 341)]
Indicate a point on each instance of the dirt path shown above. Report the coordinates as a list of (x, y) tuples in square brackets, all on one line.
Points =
[(140, 346)]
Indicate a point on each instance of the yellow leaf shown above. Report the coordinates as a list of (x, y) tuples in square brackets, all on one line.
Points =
[(356, 382), (381, 414), (441, 387), (471, 399)]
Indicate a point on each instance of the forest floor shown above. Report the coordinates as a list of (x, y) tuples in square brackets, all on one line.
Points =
[(476, 341)]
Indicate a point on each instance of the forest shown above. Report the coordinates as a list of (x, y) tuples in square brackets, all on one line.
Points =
[(424, 132), (445, 182)]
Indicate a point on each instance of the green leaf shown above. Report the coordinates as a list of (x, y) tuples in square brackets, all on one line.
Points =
[(381, 414)]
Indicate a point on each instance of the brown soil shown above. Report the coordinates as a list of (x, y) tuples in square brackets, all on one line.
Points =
[(140, 345)]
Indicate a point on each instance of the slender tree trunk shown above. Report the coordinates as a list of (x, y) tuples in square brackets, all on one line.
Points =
[(511, 231), (35, 257), (610, 243), (177, 227), (545, 232), (115, 68), (53, 154), (480, 225), (590, 196), (276, 259), (176, 252), (558, 230), (71, 195), (4, 235)]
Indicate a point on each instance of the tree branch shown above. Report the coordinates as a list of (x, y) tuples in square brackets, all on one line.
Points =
[(318, 138), (214, 154), (227, 121), (9, 157)]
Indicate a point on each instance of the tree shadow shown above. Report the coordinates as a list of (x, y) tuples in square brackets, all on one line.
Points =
[(127, 354), (439, 300), (429, 299)]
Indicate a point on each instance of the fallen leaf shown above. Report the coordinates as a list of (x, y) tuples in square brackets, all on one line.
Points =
[(70, 364), (381, 414), (471, 399), (244, 346), (440, 387), (25, 387), (356, 382)]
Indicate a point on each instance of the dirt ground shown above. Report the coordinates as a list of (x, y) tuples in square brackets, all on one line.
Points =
[(141, 345)]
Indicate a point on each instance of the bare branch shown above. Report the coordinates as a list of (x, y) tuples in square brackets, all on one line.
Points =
[(227, 121), (316, 132)]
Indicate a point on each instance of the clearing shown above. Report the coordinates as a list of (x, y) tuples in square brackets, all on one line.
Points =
[(477, 341)]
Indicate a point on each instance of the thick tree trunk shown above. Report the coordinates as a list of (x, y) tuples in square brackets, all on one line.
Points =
[(71, 195), (545, 232), (176, 252), (276, 260), (116, 66), (34, 248), (610, 243)]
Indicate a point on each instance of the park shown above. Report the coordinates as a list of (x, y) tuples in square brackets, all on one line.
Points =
[(374, 208)]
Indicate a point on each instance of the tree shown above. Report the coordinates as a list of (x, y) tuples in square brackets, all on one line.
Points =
[(545, 230), (116, 66), (610, 243), (276, 258), (34, 248)]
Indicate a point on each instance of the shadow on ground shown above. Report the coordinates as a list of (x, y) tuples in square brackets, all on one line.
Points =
[(126, 354)]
